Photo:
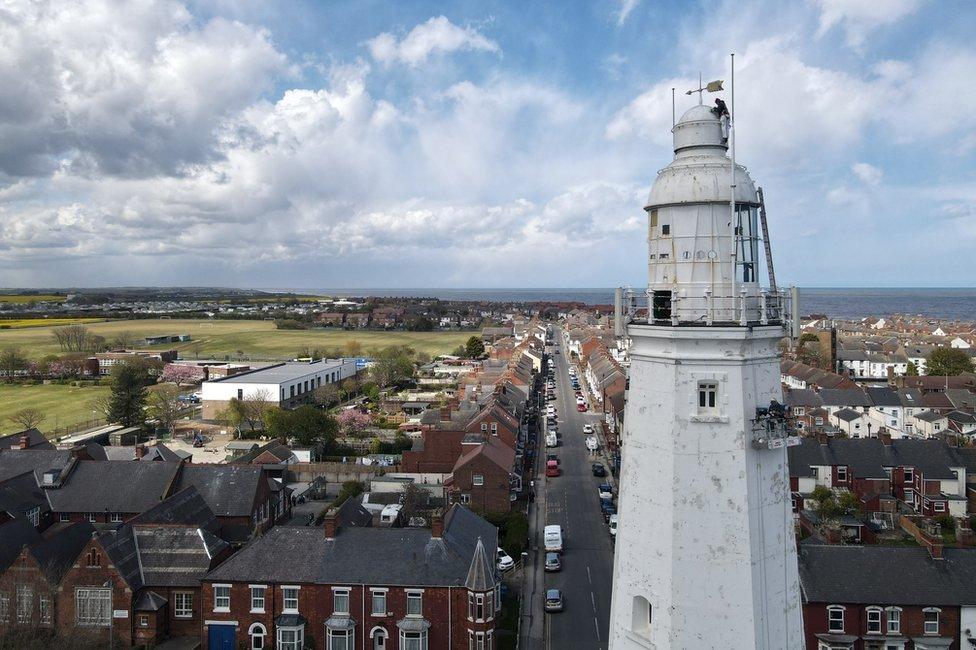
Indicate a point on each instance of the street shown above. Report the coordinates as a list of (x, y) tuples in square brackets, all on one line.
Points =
[(571, 500)]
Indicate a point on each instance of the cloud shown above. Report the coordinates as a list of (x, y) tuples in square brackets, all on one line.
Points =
[(858, 18), (869, 174), (626, 6), (436, 36)]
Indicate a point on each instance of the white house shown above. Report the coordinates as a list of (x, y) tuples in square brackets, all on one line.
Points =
[(928, 424)]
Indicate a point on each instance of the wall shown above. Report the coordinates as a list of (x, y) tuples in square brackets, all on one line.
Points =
[(334, 472)]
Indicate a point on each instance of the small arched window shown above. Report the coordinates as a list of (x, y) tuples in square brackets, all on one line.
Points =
[(641, 617), (257, 634), (94, 558)]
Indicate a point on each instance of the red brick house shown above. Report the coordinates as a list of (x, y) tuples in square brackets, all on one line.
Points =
[(347, 586), (436, 451), (481, 477), (882, 597)]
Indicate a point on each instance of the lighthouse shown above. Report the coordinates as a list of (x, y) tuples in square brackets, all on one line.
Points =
[(705, 550)]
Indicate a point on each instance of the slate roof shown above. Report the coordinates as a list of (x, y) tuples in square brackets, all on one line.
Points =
[(59, 551), (481, 572), (14, 462), (847, 415), (229, 490), (883, 396), (113, 486), (867, 457), (929, 416), (36, 440), (802, 397), (14, 535), (381, 556), (21, 494), (844, 397), (880, 575)]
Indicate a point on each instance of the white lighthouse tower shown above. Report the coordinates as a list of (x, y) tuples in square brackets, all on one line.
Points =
[(705, 550)]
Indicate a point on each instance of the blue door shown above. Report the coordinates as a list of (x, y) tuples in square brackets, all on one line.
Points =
[(221, 637)]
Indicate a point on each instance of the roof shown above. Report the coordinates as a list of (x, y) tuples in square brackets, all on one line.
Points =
[(847, 415), (14, 462), (35, 440), (481, 573), (59, 551), (113, 486), (494, 450), (802, 397), (14, 535), (282, 372), (867, 457), (878, 574), (391, 556), (929, 416), (883, 396), (844, 397), (229, 490)]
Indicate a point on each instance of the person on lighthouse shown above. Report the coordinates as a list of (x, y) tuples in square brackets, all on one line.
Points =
[(722, 112)]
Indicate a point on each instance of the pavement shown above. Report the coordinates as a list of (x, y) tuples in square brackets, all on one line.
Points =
[(572, 501)]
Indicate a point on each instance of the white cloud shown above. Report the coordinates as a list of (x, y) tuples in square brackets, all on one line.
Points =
[(626, 6), (858, 18), (436, 36), (869, 174)]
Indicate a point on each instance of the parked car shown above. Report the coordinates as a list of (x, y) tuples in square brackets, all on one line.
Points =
[(552, 537), (552, 468), (581, 408), (599, 470), (553, 562), (609, 510), (592, 444), (588, 429), (552, 457), (613, 525), (606, 488), (505, 561), (554, 600)]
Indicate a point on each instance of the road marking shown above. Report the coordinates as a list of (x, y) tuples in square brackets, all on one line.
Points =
[(588, 577), (593, 600), (596, 624)]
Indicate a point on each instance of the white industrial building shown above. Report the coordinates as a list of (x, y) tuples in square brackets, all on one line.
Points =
[(288, 384), (705, 551)]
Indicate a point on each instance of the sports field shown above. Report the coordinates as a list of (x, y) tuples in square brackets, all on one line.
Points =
[(23, 299), (62, 405), (17, 323), (253, 339)]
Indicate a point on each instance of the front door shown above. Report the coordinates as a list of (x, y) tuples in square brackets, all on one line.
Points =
[(221, 637), (379, 640)]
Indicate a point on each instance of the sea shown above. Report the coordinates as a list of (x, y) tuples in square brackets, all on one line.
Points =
[(847, 303)]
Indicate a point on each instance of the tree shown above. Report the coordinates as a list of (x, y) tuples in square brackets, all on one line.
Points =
[(352, 348), (948, 361), (474, 348), (250, 410), (123, 340), (28, 418), (327, 394), (911, 370), (306, 424), (129, 393), (350, 387), (12, 361), (164, 406), (70, 338), (848, 503), (181, 374), (353, 422), (825, 504), (392, 365)]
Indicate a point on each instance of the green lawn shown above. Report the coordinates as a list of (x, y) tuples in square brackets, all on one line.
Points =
[(228, 338), (62, 405)]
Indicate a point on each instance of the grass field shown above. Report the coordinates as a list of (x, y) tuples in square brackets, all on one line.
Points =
[(18, 299), (63, 405), (228, 338), (18, 323)]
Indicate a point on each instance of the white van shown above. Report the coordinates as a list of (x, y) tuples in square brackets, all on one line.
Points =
[(553, 538), (552, 440)]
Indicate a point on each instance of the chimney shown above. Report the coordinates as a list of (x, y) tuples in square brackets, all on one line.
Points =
[(24, 440), (437, 526), (965, 537), (821, 437), (140, 451), (885, 436), (331, 523), (833, 535), (935, 549)]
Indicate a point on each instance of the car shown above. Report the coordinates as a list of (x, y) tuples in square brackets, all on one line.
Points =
[(592, 444), (608, 512), (580, 401), (599, 470), (613, 524), (553, 562), (552, 468), (606, 487), (504, 560), (588, 429), (554, 600), (552, 536), (552, 457), (581, 408)]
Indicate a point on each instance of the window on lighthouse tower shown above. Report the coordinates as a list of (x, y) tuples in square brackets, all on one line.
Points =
[(707, 396)]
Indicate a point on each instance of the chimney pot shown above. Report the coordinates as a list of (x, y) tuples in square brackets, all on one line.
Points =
[(331, 524), (24, 441), (437, 526), (140, 451)]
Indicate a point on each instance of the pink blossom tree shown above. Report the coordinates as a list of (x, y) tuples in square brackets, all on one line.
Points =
[(353, 422), (181, 374)]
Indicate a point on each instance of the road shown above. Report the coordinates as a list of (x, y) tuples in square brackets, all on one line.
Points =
[(571, 500)]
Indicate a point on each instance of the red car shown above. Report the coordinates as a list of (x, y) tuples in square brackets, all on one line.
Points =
[(581, 408), (552, 468)]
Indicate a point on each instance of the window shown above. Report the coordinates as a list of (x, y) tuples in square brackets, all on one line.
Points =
[(465, 499), (665, 229), (93, 606), (842, 473), (494, 428), (478, 479), (289, 599), (479, 640), (34, 516), (835, 619), (4, 608), (257, 632), (291, 638), (379, 603), (340, 601), (340, 639), (707, 396), (257, 598), (931, 620), (44, 608), (64, 516), (115, 518), (484, 426), (92, 517), (183, 604), (415, 604), (413, 640), (894, 620), (221, 598), (909, 475), (640, 617), (143, 620), (938, 506), (93, 558), (25, 604), (874, 620)]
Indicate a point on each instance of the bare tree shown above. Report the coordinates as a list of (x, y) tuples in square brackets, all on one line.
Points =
[(123, 340), (28, 418), (248, 412), (327, 394), (102, 405), (71, 338), (165, 406)]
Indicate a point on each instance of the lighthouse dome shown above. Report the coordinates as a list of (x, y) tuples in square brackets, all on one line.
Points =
[(699, 172)]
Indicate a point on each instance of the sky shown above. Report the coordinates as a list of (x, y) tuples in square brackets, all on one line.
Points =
[(476, 143)]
